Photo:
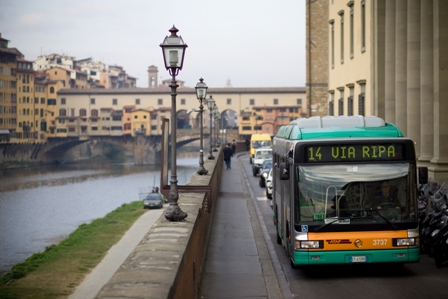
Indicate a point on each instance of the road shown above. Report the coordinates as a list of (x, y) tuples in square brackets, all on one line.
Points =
[(420, 280)]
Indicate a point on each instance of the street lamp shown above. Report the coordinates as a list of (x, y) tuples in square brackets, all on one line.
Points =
[(211, 105), (216, 114), (173, 48), (201, 92)]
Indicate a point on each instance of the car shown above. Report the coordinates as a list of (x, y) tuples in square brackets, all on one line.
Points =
[(264, 170), (260, 155), (269, 184), (153, 200), (258, 141)]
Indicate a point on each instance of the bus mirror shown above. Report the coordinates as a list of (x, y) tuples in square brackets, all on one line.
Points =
[(284, 173), (423, 175)]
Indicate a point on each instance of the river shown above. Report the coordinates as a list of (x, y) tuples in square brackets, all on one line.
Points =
[(40, 206)]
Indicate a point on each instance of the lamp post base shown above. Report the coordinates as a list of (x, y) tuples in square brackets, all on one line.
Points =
[(174, 213), (211, 157), (201, 170)]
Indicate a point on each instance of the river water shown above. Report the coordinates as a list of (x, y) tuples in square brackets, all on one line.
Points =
[(40, 206)]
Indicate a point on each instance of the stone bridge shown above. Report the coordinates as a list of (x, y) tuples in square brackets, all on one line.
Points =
[(145, 149)]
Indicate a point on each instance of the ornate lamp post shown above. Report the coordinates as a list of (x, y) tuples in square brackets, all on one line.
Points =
[(211, 105), (216, 114), (201, 92), (173, 48)]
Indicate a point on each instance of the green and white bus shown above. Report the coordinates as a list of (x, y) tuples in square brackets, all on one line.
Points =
[(327, 175)]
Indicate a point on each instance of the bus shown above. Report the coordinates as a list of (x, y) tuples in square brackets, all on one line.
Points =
[(327, 175)]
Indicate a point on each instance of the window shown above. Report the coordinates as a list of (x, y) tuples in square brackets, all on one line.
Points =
[(361, 97), (114, 102), (1, 83), (299, 101), (137, 101), (82, 112), (332, 43), (182, 101), (62, 112), (350, 106), (252, 102), (42, 100), (350, 99), (36, 100), (341, 101), (268, 110), (63, 101), (363, 26), (341, 13), (247, 128), (52, 89), (331, 103), (275, 101), (160, 102), (94, 113), (51, 102), (361, 110), (92, 101), (350, 4), (229, 101)]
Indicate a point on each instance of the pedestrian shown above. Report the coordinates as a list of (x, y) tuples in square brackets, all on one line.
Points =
[(233, 147), (227, 155), (247, 144)]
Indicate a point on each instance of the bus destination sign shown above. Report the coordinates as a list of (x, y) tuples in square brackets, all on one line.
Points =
[(353, 153)]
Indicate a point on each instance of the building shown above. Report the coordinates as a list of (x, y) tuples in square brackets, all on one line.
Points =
[(8, 87), (386, 58), (271, 106), (317, 57)]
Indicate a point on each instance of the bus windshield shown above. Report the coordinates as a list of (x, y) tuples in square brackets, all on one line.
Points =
[(355, 193)]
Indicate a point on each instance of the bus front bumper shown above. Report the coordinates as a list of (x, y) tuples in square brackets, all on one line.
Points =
[(405, 255)]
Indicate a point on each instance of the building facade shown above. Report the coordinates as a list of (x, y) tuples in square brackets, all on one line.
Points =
[(386, 58)]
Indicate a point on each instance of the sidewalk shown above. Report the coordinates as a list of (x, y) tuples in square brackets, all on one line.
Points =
[(237, 264), (101, 274)]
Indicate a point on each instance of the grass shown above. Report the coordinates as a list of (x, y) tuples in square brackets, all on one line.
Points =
[(56, 272)]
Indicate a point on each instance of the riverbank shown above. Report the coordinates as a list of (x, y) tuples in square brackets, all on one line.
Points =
[(57, 271)]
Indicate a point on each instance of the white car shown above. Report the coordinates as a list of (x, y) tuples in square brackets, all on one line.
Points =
[(260, 155), (269, 185)]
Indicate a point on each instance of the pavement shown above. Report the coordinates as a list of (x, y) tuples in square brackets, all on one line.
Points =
[(239, 262)]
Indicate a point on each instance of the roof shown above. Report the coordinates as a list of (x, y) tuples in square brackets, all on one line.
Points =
[(185, 90), (338, 127)]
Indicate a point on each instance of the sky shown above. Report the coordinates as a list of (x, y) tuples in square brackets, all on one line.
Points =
[(252, 43)]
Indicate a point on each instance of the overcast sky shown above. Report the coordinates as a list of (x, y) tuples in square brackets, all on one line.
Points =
[(254, 43)]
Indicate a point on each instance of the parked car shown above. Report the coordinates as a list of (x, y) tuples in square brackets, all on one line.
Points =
[(269, 185), (260, 155), (264, 170), (153, 200)]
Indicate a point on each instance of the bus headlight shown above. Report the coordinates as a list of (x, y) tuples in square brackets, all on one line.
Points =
[(308, 244), (406, 242)]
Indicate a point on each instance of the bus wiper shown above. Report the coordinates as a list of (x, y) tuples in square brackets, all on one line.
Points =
[(330, 223), (384, 218)]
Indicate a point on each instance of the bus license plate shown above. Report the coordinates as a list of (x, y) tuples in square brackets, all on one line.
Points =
[(358, 259)]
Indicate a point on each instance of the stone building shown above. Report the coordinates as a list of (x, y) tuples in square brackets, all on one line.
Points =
[(386, 58)]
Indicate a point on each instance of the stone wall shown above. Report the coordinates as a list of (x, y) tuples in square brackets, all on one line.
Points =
[(168, 262)]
